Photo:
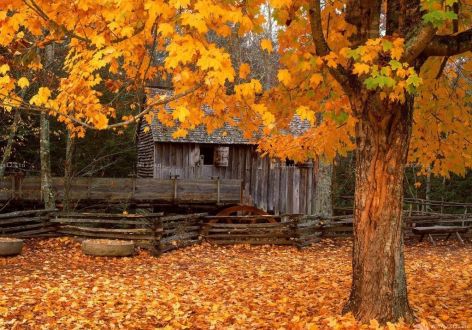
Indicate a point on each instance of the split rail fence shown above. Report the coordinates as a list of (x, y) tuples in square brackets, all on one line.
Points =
[(161, 233)]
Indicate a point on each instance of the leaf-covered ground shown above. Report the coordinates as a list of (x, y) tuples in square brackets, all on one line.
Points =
[(53, 286)]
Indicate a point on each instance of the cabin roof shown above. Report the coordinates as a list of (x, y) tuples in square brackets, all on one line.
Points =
[(225, 135)]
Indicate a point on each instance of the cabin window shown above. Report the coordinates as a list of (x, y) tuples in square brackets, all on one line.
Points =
[(221, 156), (207, 153), (289, 162)]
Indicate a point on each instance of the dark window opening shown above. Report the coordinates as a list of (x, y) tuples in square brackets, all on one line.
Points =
[(289, 162), (207, 153)]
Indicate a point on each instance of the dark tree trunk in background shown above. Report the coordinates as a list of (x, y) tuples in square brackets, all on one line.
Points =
[(379, 288), (11, 138), (46, 179), (68, 170)]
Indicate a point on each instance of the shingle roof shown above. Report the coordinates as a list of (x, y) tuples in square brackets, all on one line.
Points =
[(225, 135)]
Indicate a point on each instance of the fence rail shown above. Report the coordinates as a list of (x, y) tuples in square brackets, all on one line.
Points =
[(162, 233), (219, 191)]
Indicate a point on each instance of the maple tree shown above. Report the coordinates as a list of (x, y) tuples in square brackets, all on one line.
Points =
[(387, 79), (379, 81)]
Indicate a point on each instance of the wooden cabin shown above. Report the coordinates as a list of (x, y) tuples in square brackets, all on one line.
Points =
[(269, 184)]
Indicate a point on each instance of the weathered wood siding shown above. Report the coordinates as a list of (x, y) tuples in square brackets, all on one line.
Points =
[(266, 183), (145, 149)]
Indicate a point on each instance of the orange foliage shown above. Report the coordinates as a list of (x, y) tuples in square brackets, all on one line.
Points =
[(140, 42), (54, 286)]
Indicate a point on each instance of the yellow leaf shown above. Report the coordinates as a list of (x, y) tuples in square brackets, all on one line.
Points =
[(306, 114), (315, 80), (42, 97), (361, 68), (22, 82), (179, 133), (146, 129), (398, 48), (280, 3), (374, 324), (244, 70), (180, 113), (266, 44), (4, 69), (180, 3), (284, 77), (127, 31), (98, 41), (194, 20), (331, 60), (165, 29)]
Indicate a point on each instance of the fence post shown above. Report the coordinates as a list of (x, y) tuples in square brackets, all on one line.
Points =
[(217, 178), (175, 178)]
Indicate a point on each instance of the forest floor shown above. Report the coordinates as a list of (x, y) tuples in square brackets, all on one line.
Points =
[(53, 286)]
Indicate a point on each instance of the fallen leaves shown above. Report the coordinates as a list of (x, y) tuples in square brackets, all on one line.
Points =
[(54, 286)]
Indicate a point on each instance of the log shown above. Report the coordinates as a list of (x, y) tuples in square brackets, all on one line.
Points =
[(109, 230), (106, 235), (17, 214), (101, 221)]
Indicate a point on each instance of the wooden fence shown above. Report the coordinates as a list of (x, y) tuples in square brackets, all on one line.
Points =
[(343, 225), (154, 231), (180, 231), (128, 189), (295, 229), (33, 223), (162, 233)]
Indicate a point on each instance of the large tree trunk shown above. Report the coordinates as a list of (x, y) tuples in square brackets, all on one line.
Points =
[(9, 146), (323, 189), (46, 180), (379, 288)]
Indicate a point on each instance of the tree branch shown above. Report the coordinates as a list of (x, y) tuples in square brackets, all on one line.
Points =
[(37, 9), (418, 41), (321, 45), (449, 45), (25, 106)]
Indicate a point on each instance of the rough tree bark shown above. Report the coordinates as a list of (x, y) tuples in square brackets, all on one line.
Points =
[(379, 288), (9, 146), (45, 147), (46, 179)]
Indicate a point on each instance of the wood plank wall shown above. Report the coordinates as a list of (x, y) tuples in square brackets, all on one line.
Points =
[(267, 184), (145, 149)]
